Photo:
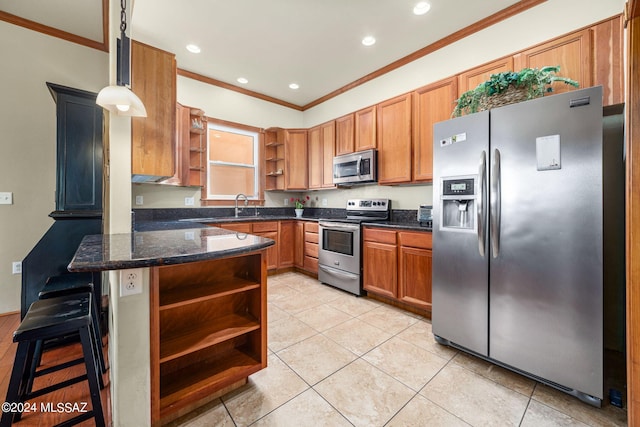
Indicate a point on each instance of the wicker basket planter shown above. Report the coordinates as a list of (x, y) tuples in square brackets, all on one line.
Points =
[(508, 88), (510, 96)]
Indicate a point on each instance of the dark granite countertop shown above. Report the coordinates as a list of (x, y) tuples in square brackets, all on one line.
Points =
[(400, 225), (165, 247)]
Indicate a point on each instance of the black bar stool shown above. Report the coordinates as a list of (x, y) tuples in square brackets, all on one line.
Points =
[(69, 285), (48, 319)]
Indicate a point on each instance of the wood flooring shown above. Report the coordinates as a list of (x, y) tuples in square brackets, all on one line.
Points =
[(75, 394)]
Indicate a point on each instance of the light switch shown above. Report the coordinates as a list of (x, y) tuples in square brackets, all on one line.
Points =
[(548, 152), (6, 198)]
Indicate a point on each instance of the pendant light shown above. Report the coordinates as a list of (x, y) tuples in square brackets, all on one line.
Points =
[(119, 99)]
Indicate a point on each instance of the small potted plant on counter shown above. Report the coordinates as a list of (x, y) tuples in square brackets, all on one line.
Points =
[(299, 205), (509, 87)]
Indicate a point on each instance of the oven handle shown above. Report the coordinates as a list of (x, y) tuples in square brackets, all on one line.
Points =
[(335, 272), (339, 226)]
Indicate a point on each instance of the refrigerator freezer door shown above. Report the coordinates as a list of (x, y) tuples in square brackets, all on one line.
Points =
[(460, 271), (546, 281)]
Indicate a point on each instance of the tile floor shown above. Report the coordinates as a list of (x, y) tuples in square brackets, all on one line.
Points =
[(338, 360)]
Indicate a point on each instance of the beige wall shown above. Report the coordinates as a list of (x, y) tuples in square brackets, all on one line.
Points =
[(543, 22), (28, 137)]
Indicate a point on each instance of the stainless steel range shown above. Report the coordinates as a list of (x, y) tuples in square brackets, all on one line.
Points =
[(339, 259)]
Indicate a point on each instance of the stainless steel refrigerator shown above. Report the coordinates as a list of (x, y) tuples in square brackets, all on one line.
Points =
[(519, 236)]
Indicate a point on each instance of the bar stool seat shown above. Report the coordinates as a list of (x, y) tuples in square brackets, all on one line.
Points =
[(48, 319), (70, 284), (65, 284)]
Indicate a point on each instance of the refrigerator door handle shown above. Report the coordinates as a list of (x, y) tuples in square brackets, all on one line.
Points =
[(495, 204), (481, 198)]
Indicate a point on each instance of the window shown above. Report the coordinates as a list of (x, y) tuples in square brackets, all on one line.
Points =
[(232, 162)]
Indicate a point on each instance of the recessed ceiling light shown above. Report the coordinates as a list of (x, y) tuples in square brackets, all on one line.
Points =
[(421, 8), (193, 48), (294, 86), (242, 80), (369, 40)]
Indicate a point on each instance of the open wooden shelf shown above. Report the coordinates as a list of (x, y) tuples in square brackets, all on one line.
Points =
[(200, 292), (208, 328), (188, 384), (221, 329)]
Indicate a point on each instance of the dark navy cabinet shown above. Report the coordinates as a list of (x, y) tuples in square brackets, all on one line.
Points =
[(79, 159), (79, 150)]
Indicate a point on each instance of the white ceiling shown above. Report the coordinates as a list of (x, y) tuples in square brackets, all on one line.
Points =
[(315, 43)]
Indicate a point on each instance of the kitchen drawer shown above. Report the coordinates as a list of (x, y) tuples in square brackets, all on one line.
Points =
[(311, 249), (311, 264), (311, 227), (311, 237), (415, 239), (260, 227), (243, 227), (379, 235)]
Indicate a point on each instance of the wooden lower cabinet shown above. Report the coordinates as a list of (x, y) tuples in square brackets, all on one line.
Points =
[(291, 248), (208, 330), (306, 246), (298, 242), (286, 233), (414, 276), (311, 246), (397, 265), (268, 229)]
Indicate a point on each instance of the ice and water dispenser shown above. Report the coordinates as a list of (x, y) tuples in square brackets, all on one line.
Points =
[(458, 204)]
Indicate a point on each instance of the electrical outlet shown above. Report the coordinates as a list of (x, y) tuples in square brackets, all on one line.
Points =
[(286, 202), (325, 202), (189, 201), (130, 282), (139, 200), (6, 198), (16, 267)]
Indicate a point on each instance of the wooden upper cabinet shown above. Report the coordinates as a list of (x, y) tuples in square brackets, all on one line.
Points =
[(608, 64), (394, 140), (431, 104), (365, 129), (328, 140), (321, 151), (296, 159), (472, 78), (153, 79), (315, 157), (573, 53), (345, 134)]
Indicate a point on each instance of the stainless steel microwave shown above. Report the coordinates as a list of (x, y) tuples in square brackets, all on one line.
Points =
[(355, 168)]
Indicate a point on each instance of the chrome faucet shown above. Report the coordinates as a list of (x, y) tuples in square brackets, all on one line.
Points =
[(246, 201)]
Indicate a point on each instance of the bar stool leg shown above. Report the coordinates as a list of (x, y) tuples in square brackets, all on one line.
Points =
[(92, 374), (35, 362), (16, 381)]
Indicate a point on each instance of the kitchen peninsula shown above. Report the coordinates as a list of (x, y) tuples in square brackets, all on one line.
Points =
[(207, 307)]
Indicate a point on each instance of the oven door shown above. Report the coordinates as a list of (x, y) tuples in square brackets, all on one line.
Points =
[(340, 246)]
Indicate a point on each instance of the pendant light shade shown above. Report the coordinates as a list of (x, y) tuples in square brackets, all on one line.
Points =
[(121, 101)]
